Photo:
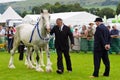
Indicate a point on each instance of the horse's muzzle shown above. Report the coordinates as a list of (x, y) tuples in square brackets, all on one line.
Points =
[(48, 29)]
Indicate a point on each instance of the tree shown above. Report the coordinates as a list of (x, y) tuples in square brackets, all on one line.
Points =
[(106, 11), (24, 13), (94, 10), (36, 10), (118, 9)]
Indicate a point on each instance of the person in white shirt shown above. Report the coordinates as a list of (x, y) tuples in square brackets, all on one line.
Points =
[(2, 35), (2, 31)]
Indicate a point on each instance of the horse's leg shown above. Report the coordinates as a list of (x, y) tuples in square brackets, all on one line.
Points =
[(12, 52), (38, 68), (41, 57), (32, 56), (29, 65), (49, 64), (26, 61)]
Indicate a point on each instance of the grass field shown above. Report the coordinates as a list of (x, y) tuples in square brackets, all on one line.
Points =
[(82, 69)]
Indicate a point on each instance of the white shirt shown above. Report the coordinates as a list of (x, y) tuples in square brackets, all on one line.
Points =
[(61, 27), (2, 32)]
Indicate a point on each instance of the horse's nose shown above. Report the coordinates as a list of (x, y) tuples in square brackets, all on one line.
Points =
[(48, 28)]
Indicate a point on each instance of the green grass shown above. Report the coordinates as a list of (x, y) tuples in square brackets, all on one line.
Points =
[(82, 68)]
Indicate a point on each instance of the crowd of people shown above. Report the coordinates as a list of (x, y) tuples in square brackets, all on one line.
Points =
[(84, 38), (6, 36)]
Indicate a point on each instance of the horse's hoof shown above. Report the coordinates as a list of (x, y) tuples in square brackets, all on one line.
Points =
[(48, 69), (31, 67), (39, 70), (11, 66)]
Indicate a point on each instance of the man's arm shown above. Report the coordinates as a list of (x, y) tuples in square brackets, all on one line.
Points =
[(71, 36), (52, 30), (104, 37)]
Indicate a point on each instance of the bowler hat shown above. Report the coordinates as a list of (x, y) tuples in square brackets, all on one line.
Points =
[(98, 20)]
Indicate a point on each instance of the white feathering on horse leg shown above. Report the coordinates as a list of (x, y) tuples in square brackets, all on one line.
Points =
[(11, 65), (49, 66), (26, 62), (38, 68), (30, 65)]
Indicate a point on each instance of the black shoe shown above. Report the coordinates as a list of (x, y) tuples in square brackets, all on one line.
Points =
[(106, 75), (59, 71)]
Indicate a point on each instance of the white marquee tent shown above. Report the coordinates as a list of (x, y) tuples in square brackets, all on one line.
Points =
[(0, 16), (69, 18), (74, 18), (32, 19), (9, 14)]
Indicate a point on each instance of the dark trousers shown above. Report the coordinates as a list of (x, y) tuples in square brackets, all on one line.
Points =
[(97, 59), (21, 51), (10, 44), (60, 59)]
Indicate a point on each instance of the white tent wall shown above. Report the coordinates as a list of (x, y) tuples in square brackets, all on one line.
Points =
[(32, 19), (74, 18), (69, 18), (0, 16)]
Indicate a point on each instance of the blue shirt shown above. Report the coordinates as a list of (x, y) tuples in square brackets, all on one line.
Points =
[(114, 32)]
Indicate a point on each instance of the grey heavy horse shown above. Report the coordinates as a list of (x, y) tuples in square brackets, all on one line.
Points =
[(33, 36)]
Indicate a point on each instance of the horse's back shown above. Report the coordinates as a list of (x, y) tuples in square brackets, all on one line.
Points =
[(23, 31)]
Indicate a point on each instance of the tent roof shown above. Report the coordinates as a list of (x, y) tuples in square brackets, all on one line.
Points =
[(9, 14)]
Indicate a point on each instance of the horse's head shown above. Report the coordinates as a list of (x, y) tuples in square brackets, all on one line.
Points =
[(45, 19)]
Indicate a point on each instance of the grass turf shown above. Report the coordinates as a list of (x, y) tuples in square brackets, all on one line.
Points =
[(82, 68)]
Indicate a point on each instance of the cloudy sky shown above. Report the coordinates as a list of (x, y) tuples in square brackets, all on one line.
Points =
[(4, 1)]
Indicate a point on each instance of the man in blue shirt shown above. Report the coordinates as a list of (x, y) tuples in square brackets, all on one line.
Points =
[(115, 45)]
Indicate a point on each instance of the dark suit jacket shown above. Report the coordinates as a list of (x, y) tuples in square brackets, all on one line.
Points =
[(101, 38), (61, 37)]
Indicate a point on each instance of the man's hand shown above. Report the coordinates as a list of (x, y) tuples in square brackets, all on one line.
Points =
[(107, 46), (72, 45)]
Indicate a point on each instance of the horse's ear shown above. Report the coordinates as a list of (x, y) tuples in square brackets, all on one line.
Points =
[(50, 11), (41, 10)]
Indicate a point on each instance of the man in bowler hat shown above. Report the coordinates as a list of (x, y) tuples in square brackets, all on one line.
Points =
[(101, 47), (62, 32)]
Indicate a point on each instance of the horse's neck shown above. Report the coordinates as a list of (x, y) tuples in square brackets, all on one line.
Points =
[(42, 29)]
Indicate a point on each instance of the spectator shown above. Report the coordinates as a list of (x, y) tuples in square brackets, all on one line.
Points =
[(115, 40), (2, 37), (83, 42), (2, 31), (10, 37), (76, 36), (90, 37)]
